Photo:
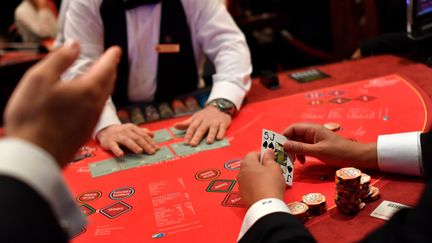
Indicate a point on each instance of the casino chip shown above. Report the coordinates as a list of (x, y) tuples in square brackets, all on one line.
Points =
[(123, 115), (137, 116), (373, 194), (316, 203), (365, 182), (299, 210), (348, 189), (332, 126)]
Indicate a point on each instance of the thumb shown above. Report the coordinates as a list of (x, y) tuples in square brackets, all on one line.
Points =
[(53, 66), (183, 125), (268, 158), (300, 148)]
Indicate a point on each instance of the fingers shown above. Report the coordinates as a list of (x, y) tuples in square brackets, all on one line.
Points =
[(299, 148), (114, 147), (250, 159), (150, 145), (191, 136), (183, 125), (103, 73), (51, 67), (213, 131), (268, 158), (222, 130)]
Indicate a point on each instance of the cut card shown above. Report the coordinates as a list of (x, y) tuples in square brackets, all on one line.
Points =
[(275, 141)]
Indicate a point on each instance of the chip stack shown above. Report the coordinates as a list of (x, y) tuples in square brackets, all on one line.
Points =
[(165, 110), (316, 202), (151, 113), (123, 115), (179, 108), (365, 181), (373, 194), (137, 116), (348, 190), (192, 104), (299, 210)]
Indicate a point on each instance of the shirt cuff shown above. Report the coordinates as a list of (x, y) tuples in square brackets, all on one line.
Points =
[(230, 91), (37, 168), (107, 118), (400, 153), (260, 209)]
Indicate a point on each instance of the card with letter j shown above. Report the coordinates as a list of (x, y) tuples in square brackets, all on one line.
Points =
[(275, 141)]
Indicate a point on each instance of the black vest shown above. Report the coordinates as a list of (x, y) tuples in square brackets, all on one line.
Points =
[(177, 73)]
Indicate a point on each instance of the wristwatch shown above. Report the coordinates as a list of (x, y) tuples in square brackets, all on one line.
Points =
[(224, 105)]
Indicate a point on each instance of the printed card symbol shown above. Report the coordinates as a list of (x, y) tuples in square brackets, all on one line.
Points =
[(271, 146), (265, 144), (116, 209), (290, 169)]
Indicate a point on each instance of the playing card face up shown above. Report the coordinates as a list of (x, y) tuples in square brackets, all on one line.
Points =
[(275, 141)]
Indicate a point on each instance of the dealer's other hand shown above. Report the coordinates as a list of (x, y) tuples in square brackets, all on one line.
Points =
[(208, 121)]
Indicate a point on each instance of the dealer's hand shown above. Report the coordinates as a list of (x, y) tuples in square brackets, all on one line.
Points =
[(129, 135), (208, 121), (259, 181), (307, 139), (60, 116)]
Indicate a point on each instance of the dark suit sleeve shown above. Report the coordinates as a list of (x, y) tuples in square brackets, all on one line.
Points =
[(25, 215), (277, 227), (412, 225)]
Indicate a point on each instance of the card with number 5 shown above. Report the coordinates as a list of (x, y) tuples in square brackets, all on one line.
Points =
[(275, 141)]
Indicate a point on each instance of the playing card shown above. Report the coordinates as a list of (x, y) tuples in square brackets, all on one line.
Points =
[(275, 141), (386, 209), (161, 136), (103, 168), (129, 161), (135, 160), (178, 133), (182, 149)]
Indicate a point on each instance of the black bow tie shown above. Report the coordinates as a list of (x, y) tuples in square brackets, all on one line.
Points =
[(130, 4)]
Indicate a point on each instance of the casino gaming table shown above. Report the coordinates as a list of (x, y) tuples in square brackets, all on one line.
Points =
[(194, 197)]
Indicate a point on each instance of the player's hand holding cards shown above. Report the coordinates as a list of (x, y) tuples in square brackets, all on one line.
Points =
[(276, 141)]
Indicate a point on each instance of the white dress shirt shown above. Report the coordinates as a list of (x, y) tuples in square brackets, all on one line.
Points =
[(60, 39), (397, 153), (34, 166), (213, 32), (35, 25)]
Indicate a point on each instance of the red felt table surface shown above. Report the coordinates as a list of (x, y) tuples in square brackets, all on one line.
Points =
[(205, 217), (169, 198)]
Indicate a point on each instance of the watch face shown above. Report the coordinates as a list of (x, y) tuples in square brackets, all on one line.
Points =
[(224, 104)]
